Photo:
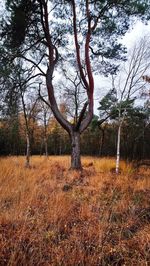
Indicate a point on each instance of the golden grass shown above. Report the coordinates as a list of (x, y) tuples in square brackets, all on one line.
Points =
[(53, 216)]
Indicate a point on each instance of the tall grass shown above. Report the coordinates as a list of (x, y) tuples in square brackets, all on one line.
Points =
[(52, 216)]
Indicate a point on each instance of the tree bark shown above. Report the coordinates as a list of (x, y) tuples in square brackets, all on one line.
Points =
[(45, 136), (101, 141), (27, 164), (75, 153), (118, 149)]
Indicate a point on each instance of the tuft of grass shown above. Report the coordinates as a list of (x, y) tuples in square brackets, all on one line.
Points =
[(50, 215)]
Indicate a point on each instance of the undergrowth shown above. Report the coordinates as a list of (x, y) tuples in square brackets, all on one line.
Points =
[(52, 216)]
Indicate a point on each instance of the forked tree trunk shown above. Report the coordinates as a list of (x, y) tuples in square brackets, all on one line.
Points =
[(27, 164), (75, 152), (85, 76)]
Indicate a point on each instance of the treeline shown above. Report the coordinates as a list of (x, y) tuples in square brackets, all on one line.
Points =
[(96, 140)]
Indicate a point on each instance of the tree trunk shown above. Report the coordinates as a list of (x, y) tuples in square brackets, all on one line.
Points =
[(45, 135), (27, 164), (46, 146), (75, 153), (118, 149), (101, 143), (87, 80), (60, 148)]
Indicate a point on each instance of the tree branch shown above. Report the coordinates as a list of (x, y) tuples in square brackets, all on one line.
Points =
[(64, 123), (78, 47), (31, 61), (42, 98), (81, 116)]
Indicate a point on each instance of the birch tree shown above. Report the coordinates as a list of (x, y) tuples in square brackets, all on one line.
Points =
[(127, 87)]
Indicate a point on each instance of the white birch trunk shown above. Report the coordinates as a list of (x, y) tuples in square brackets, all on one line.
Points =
[(118, 149), (118, 140)]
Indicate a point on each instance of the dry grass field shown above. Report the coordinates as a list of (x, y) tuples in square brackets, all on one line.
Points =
[(52, 216)]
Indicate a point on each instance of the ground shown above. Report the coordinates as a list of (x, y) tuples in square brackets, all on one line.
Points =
[(50, 215)]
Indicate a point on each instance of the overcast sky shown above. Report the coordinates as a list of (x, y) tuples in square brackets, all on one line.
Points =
[(138, 31)]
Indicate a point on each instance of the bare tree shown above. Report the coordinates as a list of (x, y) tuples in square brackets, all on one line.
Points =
[(44, 116), (131, 84), (29, 112), (73, 95)]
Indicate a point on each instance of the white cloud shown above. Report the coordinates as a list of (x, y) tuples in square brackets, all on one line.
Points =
[(139, 30), (134, 34)]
